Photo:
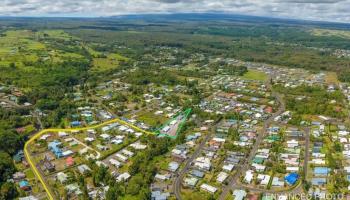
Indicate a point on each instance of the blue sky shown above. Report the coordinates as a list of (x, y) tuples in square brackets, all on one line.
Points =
[(323, 10)]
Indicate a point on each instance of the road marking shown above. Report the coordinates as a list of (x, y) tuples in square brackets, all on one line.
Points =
[(37, 135)]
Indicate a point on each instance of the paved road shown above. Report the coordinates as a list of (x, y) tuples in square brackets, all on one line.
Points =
[(38, 119), (233, 179), (38, 173), (182, 173), (307, 154)]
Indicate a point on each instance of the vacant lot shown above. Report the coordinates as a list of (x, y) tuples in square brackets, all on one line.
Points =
[(255, 75)]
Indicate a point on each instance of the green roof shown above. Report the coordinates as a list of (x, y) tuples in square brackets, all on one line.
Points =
[(258, 160)]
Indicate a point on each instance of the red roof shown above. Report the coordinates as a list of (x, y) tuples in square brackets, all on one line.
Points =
[(69, 161), (253, 197), (268, 109)]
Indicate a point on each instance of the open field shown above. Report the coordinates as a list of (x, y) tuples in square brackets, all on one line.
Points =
[(111, 61), (332, 78), (151, 118), (328, 32), (255, 75)]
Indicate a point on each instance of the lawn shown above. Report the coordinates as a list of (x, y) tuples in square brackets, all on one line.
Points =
[(92, 52), (29, 174), (194, 195), (150, 118), (255, 75)]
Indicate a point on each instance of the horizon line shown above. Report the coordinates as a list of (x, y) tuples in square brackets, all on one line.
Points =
[(175, 13)]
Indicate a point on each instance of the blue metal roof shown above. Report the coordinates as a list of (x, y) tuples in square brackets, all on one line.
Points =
[(321, 170), (23, 184), (54, 147), (291, 178)]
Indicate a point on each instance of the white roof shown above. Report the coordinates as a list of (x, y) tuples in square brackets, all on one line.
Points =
[(127, 152), (228, 167), (114, 162), (121, 157), (67, 153), (292, 169), (248, 176), (222, 177), (208, 188), (239, 194), (218, 139), (105, 136), (124, 176), (138, 146)]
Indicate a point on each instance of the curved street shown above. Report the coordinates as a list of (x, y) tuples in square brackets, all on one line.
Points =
[(182, 173)]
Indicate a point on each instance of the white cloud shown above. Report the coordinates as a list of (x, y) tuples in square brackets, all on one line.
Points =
[(328, 10)]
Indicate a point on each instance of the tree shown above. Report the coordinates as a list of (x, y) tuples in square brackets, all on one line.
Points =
[(233, 133), (10, 142), (8, 191), (12, 65), (7, 167), (100, 175), (111, 194)]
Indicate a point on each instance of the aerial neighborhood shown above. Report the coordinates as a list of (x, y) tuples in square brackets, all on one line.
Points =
[(162, 109)]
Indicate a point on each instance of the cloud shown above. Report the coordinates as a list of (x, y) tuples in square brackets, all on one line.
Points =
[(327, 10), (313, 1)]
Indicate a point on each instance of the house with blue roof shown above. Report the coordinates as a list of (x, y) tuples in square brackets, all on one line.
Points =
[(24, 185), (54, 147), (75, 123), (321, 171), (19, 156), (291, 178), (197, 173)]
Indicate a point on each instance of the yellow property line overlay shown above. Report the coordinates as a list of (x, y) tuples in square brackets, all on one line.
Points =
[(40, 133)]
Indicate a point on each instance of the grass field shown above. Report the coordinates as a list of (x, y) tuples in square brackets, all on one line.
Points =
[(194, 195), (255, 75), (110, 62), (19, 47), (151, 119), (56, 34), (327, 32), (332, 78)]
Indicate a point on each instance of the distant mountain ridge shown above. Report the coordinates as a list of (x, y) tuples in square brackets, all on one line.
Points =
[(229, 17)]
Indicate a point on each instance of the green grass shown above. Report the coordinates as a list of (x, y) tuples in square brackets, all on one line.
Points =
[(108, 63), (18, 47), (29, 174), (194, 195), (92, 52), (57, 34), (150, 118), (328, 32), (255, 75)]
